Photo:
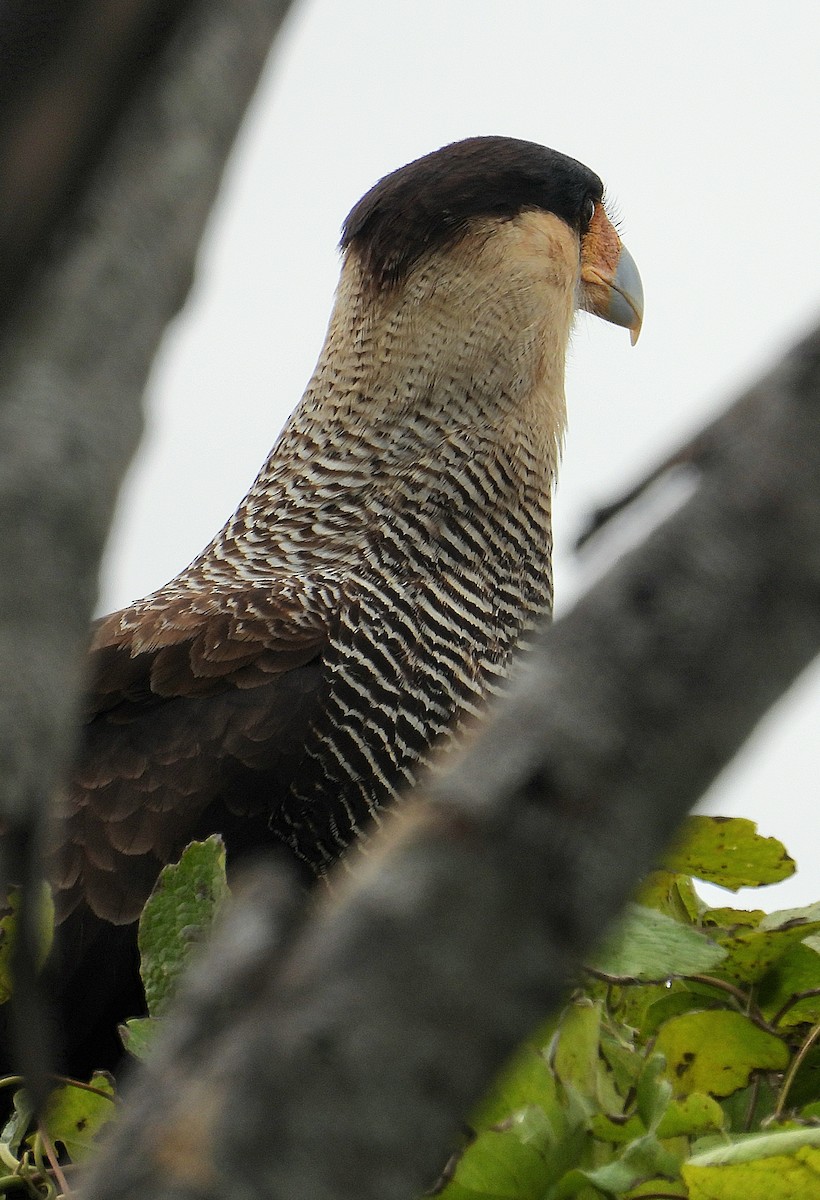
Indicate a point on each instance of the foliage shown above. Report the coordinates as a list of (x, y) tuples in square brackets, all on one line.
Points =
[(183, 905), (182, 908), (685, 1064), (8, 917), (37, 1161)]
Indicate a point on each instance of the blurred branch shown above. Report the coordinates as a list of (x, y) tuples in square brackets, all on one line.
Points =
[(334, 1054), (70, 68), (78, 346)]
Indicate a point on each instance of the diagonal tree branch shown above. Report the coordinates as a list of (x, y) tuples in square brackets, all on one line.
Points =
[(333, 1054), (77, 350)]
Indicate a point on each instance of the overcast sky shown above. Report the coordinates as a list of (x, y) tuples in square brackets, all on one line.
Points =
[(702, 118)]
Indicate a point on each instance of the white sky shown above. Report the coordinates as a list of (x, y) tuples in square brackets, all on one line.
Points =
[(703, 119)]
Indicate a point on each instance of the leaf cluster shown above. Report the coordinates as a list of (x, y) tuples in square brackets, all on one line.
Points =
[(687, 1062), (37, 1159)]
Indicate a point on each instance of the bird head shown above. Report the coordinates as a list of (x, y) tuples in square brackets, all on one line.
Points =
[(461, 276), (469, 193)]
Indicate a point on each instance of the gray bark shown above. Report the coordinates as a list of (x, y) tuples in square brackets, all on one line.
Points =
[(69, 69), (334, 1054), (75, 356)]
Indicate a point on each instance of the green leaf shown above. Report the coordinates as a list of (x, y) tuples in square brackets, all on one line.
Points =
[(618, 1131), (796, 1177), (747, 1108), (650, 946), (797, 971), (74, 1115), (527, 1080), (652, 1188), (518, 1162), (730, 852), (805, 1086), (619, 1053), (180, 911), (692, 1116), (499, 1167), (754, 1146), (670, 893), (677, 999), (16, 1126), (732, 918), (653, 1093), (643, 1159), (139, 1034), (8, 921), (575, 1058), (788, 918), (716, 1052), (753, 953)]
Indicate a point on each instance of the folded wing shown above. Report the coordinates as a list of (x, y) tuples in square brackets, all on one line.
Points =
[(199, 708)]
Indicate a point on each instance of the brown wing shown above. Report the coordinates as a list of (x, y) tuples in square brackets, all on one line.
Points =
[(198, 712)]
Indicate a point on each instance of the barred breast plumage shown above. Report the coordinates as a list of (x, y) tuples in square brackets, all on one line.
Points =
[(369, 594)]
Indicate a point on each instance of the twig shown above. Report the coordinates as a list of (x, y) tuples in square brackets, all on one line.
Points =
[(51, 1155), (794, 1067), (790, 1003)]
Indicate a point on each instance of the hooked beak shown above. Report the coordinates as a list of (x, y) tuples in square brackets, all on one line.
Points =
[(610, 284)]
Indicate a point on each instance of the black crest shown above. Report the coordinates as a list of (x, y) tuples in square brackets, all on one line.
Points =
[(431, 202)]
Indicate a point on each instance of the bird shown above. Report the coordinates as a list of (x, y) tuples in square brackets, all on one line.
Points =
[(366, 600)]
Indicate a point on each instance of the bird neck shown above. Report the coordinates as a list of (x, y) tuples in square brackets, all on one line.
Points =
[(450, 375)]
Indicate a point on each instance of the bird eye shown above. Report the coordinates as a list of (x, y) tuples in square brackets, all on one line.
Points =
[(587, 213)]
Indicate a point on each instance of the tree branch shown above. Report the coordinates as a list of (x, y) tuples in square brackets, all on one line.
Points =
[(69, 69), (76, 355), (338, 1057)]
